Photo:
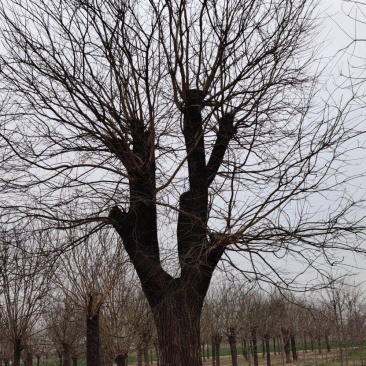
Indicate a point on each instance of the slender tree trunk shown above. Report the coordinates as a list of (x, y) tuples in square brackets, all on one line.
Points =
[(268, 350), (17, 352), (245, 349), (59, 353), (263, 349), (293, 347), (255, 346), (28, 358), (233, 349), (305, 343), (217, 343), (203, 351), (92, 330), (312, 343), (74, 361), (274, 345), (327, 342), (319, 345), (286, 344), (213, 346), (139, 356), (66, 354)]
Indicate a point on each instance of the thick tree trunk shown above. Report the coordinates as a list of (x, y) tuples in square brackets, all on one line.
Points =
[(92, 330), (293, 347), (177, 321), (17, 351), (268, 350), (233, 349)]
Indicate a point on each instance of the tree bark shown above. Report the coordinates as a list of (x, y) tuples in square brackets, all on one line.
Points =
[(293, 347), (216, 344), (328, 343), (121, 359), (175, 302), (255, 346), (319, 345), (245, 349), (28, 358), (66, 354), (17, 351), (233, 349), (286, 345), (213, 346), (92, 330), (268, 349)]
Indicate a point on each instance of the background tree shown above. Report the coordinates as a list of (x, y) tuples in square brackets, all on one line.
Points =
[(144, 114), (24, 284)]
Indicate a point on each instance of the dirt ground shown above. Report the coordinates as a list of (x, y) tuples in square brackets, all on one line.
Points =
[(309, 358)]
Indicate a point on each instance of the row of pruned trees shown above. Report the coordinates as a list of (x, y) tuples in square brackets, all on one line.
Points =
[(49, 309), (273, 322), (86, 303)]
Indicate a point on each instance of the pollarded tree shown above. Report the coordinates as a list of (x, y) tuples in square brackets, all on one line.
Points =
[(149, 114)]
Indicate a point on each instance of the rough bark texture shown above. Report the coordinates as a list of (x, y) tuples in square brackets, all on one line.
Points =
[(92, 330)]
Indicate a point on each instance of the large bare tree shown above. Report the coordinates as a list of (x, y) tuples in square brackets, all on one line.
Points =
[(187, 125)]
